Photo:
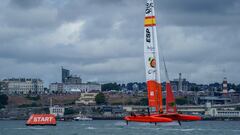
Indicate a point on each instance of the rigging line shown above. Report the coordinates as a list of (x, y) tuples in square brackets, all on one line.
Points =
[(165, 68), (162, 48), (160, 108)]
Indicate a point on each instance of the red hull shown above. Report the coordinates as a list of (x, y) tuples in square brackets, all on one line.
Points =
[(150, 119), (180, 117)]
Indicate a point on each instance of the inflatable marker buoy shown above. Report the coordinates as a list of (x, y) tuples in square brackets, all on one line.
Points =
[(41, 119)]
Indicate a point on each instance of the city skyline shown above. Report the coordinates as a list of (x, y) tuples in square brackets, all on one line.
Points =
[(199, 39)]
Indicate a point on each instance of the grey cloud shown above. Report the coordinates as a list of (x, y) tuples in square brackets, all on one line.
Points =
[(35, 18), (199, 6), (199, 39), (26, 4), (199, 13)]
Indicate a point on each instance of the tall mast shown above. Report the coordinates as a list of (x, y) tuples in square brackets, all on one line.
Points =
[(151, 56)]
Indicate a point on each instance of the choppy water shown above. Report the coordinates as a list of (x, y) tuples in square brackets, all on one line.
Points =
[(120, 128)]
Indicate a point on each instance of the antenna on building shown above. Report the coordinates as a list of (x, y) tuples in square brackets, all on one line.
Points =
[(225, 88), (224, 84)]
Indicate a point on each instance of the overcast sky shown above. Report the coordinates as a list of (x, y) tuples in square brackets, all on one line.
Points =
[(102, 40)]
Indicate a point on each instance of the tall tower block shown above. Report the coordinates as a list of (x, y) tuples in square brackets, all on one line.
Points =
[(65, 74), (180, 82)]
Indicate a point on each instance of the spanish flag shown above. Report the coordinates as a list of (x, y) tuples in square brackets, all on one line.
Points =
[(150, 21)]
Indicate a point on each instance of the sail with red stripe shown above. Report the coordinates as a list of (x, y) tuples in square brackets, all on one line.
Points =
[(170, 100), (171, 106), (151, 56)]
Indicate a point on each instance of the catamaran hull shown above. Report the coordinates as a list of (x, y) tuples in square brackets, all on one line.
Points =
[(156, 118), (150, 119), (179, 117)]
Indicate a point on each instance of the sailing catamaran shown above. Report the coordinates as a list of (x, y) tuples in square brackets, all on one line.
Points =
[(152, 67)]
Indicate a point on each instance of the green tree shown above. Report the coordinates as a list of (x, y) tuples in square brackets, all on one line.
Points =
[(69, 111), (144, 101), (35, 98), (3, 99), (2, 106), (100, 99), (33, 104), (110, 86), (181, 101)]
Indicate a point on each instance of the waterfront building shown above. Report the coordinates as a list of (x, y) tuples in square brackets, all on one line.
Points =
[(57, 111), (83, 87), (24, 85), (214, 112), (72, 83), (235, 96), (87, 99), (3, 87), (73, 88), (112, 110), (73, 80), (180, 84), (213, 100), (56, 88)]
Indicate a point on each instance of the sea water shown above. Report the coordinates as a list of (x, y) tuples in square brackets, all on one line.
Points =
[(110, 127)]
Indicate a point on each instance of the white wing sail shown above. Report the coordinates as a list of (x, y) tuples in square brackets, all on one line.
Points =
[(151, 56)]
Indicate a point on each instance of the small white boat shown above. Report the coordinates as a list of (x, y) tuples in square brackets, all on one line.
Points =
[(82, 117)]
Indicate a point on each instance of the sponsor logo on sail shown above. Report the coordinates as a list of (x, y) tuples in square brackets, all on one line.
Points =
[(150, 71), (152, 62), (149, 8), (148, 36)]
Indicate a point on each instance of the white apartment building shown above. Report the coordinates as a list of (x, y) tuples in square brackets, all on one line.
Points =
[(68, 88), (56, 87), (24, 85), (84, 87)]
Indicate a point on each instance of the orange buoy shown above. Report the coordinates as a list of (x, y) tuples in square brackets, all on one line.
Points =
[(41, 119)]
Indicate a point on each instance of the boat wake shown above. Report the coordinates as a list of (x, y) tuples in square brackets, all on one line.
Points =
[(169, 124), (120, 123), (91, 128), (27, 128)]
